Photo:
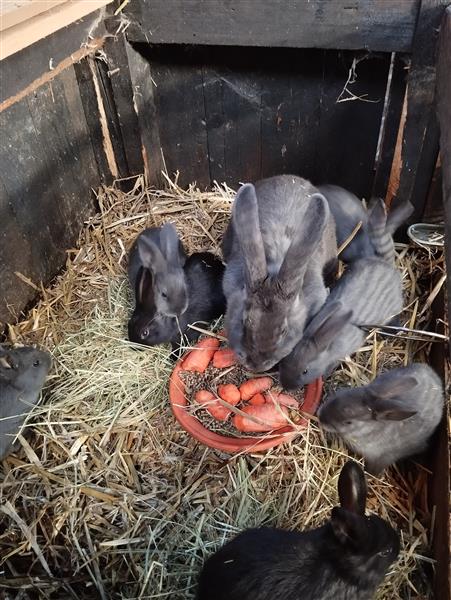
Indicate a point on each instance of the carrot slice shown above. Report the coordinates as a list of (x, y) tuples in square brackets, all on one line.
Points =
[(200, 356), (212, 405), (230, 393), (271, 417), (224, 358), (281, 398), (254, 386), (257, 400)]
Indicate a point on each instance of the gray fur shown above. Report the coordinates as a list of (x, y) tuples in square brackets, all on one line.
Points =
[(279, 245), (391, 418), (22, 375), (203, 272), (375, 237), (159, 250), (368, 292), (346, 558)]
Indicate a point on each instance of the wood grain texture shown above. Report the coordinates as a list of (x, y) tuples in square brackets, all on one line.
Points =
[(441, 482), (420, 135), (346, 24), (47, 169)]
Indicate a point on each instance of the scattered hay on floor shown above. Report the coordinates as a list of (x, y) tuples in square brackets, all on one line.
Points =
[(108, 498)]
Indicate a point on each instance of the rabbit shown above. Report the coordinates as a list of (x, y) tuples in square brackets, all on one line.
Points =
[(159, 250), (22, 375), (203, 273), (375, 237), (389, 419), (279, 246), (369, 292), (345, 559)]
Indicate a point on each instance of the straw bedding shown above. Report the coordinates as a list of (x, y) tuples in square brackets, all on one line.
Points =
[(108, 497)]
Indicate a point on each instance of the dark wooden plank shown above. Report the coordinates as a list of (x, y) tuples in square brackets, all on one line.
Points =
[(47, 171), (233, 117), (420, 135), (291, 92), (349, 130), (346, 24), (21, 69), (441, 484), (179, 103), (144, 105), (122, 95), (394, 100), (89, 84)]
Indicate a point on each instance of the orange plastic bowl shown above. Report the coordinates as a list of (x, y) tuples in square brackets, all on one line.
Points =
[(225, 443)]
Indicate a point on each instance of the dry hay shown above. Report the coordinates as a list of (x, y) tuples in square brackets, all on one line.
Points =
[(108, 498)]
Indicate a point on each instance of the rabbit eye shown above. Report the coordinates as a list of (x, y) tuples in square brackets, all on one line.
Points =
[(36, 363), (164, 295), (305, 371), (385, 552), (348, 422), (144, 333)]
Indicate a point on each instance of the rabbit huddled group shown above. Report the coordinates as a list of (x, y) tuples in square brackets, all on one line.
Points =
[(284, 309)]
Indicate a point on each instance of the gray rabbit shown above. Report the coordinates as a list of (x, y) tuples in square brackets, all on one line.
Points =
[(203, 272), (160, 251), (390, 419), (345, 559), (369, 292), (279, 246), (22, 375), (375, 237)]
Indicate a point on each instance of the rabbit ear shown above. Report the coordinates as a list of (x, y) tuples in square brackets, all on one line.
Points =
[(304, 243), (144, 289), (398, 215), (352, 488), (377, 219), (247, 228), (328, 324), (389, 387), (150, 255), (386, 410), (348, 528), (170, 244)]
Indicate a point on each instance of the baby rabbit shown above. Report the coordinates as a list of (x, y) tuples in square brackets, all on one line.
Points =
[(369, 292), (203, 273), (279, 243), (391, 418), (345, 559), (374, 238), (22, 375), (159, 250)]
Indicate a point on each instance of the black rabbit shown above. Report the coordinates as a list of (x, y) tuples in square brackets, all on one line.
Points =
[(346, 559)]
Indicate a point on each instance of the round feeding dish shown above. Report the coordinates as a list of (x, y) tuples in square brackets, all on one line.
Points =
[(181, 404)]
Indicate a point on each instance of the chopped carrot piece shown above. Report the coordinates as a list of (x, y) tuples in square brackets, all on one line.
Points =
[(200, 356), (257, 400), (224, 358), (281, 398), (269, 417), (230, 393), (212, 405), (254, 386)]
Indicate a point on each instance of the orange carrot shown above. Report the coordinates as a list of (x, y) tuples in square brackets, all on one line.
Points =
[(200, 356), (230, 393), (281, 398), (212, 405), (254, 386), (271, 416), (224, 358), (257, 400)]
